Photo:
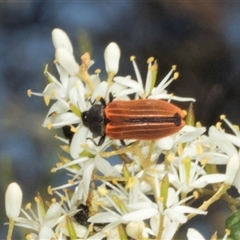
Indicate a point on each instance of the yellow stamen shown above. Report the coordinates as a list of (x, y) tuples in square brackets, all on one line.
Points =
[(46, 100), (176, 75), (151, 59), (50, 191), (218, 125), (132, 58), (236, 127), (204, 161), (198, 124), (227, 231), (196, 194), (199, 149), (174, 67), (170, 157), (180, 149), (63, 198), (29, 92), (28, 206), (49, 125), (214, 236), (222, 116), (102, 191), (59, 164), (90, 228), (65, 148), (70, 181), (53, 170), (73, 129), (97, 71), (184, 112), (29, 236)]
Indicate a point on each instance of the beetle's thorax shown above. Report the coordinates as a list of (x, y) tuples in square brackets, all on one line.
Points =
[(94, 119)]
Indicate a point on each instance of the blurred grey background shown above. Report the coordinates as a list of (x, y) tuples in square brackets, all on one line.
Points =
[(201, 37)]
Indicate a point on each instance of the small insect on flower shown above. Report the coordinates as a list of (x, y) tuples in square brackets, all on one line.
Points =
[(142, 119)]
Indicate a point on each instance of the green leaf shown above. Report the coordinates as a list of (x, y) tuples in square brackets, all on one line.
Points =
[(233, 225)]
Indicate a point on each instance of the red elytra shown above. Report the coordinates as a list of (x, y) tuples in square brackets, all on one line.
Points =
[(142, 119)]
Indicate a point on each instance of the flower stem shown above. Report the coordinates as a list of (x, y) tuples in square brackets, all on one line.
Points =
[(161, 227), (223, 188), (10, 229)]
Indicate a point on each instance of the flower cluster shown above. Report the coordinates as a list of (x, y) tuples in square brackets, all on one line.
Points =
[(147, 195)]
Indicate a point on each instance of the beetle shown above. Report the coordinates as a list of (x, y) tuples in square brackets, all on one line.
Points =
[(142, 119)]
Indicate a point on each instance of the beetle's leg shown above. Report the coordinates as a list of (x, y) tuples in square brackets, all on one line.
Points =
[(91, 101), (92, 141), (102, 101), (100, 142), (111, 97)]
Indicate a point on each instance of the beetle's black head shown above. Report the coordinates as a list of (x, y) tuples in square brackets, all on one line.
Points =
[(94, 119)]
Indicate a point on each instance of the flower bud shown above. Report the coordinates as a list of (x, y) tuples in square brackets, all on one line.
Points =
[(135, 229), (112, 56), (61, 40), (194, 234), (13, 200)]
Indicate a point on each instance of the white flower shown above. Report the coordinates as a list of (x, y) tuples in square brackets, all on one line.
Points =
[(227, 145), (66, 111), (172, 214), (149, 90), (187, 174), (220, 139), (122, 206), (41, 219)]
